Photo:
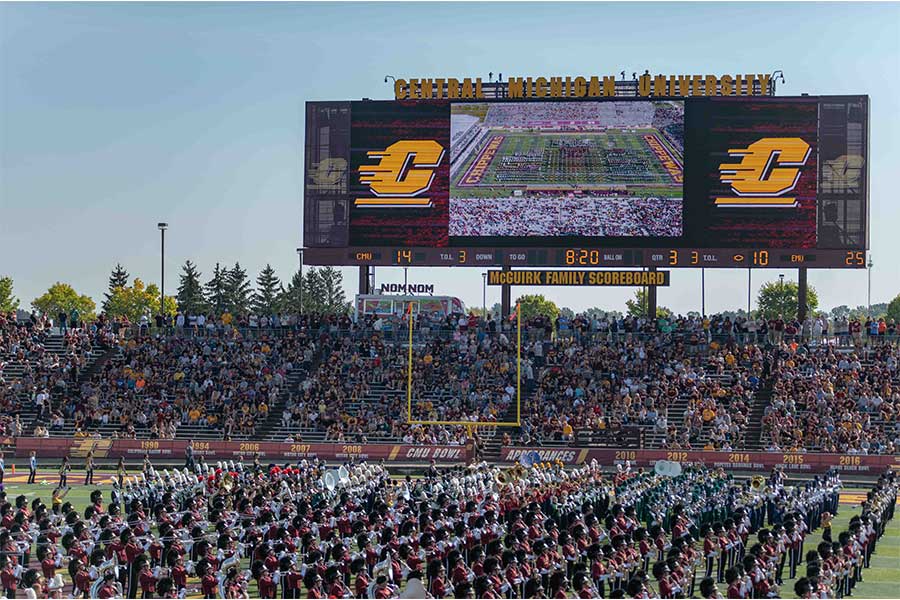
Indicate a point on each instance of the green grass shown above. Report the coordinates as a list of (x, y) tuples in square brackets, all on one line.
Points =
[(881, 580), (540, 144)]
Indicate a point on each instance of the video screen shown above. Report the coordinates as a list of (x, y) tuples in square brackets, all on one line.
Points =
[(638, 173), (566, 169), (751, 176)]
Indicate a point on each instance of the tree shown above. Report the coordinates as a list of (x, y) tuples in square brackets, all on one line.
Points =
[(62, 297), (638, 306), (893, 310), (536, 304), (600, 313), (840, 312), (878, 311), (8, 302), (216, 290), (171, 303), (190, 291), (137, 300), (289, 298), (118, 278), (313, 301), (567, 312), (332, 291), (781, 299), (237, 290), (268, 289)]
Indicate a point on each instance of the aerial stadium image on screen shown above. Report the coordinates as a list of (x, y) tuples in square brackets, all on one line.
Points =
[(550, 169)]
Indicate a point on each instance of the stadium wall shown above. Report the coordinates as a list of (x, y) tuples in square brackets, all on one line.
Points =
[(173, 450), (743, 461)]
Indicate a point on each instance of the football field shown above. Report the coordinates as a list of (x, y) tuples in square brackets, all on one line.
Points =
[(612, 159), (879, 581)]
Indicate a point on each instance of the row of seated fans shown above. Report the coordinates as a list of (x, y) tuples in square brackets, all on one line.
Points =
[(578, 384)]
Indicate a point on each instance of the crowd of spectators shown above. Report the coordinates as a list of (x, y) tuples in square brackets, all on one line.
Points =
[(223, 383), (566, 214), (831, 401), (585, 386), (41, 374), (684, 382)]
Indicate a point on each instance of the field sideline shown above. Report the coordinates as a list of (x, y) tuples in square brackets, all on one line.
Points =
[(879, 581)]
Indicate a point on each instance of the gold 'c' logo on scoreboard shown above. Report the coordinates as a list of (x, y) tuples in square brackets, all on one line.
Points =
[(768, 169), (405, 170)]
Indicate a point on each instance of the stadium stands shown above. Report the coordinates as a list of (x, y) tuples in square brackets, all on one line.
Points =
[(684, 383)]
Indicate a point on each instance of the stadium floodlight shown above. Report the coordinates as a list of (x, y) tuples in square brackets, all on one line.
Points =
[(300, 255), (779, 74), (869, 266), (162, 267)]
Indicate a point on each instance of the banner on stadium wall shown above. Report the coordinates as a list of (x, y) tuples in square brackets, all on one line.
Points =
[(749, 461), (221, 450)]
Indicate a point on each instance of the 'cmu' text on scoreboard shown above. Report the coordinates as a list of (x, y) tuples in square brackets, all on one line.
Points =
[(689, 171)]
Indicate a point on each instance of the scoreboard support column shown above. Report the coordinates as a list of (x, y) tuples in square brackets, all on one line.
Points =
[(651, 298), (365, 286), (505, 298), (802, 291)]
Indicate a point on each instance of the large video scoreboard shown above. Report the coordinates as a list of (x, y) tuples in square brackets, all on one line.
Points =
[(615, 182)]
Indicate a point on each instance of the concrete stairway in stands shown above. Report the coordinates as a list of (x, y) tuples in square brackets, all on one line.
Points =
[(753, 440), (53, 344)]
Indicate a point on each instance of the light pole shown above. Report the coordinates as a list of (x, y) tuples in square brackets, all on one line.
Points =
[(405, 280), (781, 285), (162, 269), (870, 265), (749, 286), (484, 296), (703, 291), (300, 256)]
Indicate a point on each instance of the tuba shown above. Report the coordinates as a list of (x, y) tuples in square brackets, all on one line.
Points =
[(109, 566), (227, 483), (233, 561), (510, 474), (758, 484)]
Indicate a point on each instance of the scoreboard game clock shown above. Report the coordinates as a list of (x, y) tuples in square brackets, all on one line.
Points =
[(709, 258), (674, 182)]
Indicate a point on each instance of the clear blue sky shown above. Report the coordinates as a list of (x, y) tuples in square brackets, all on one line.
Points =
[(116, 116)]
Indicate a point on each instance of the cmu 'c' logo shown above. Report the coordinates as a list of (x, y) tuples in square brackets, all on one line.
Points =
[(404, 171), (769, 168)]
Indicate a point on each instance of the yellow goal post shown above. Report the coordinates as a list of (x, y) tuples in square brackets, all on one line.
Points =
[(468, 424)]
